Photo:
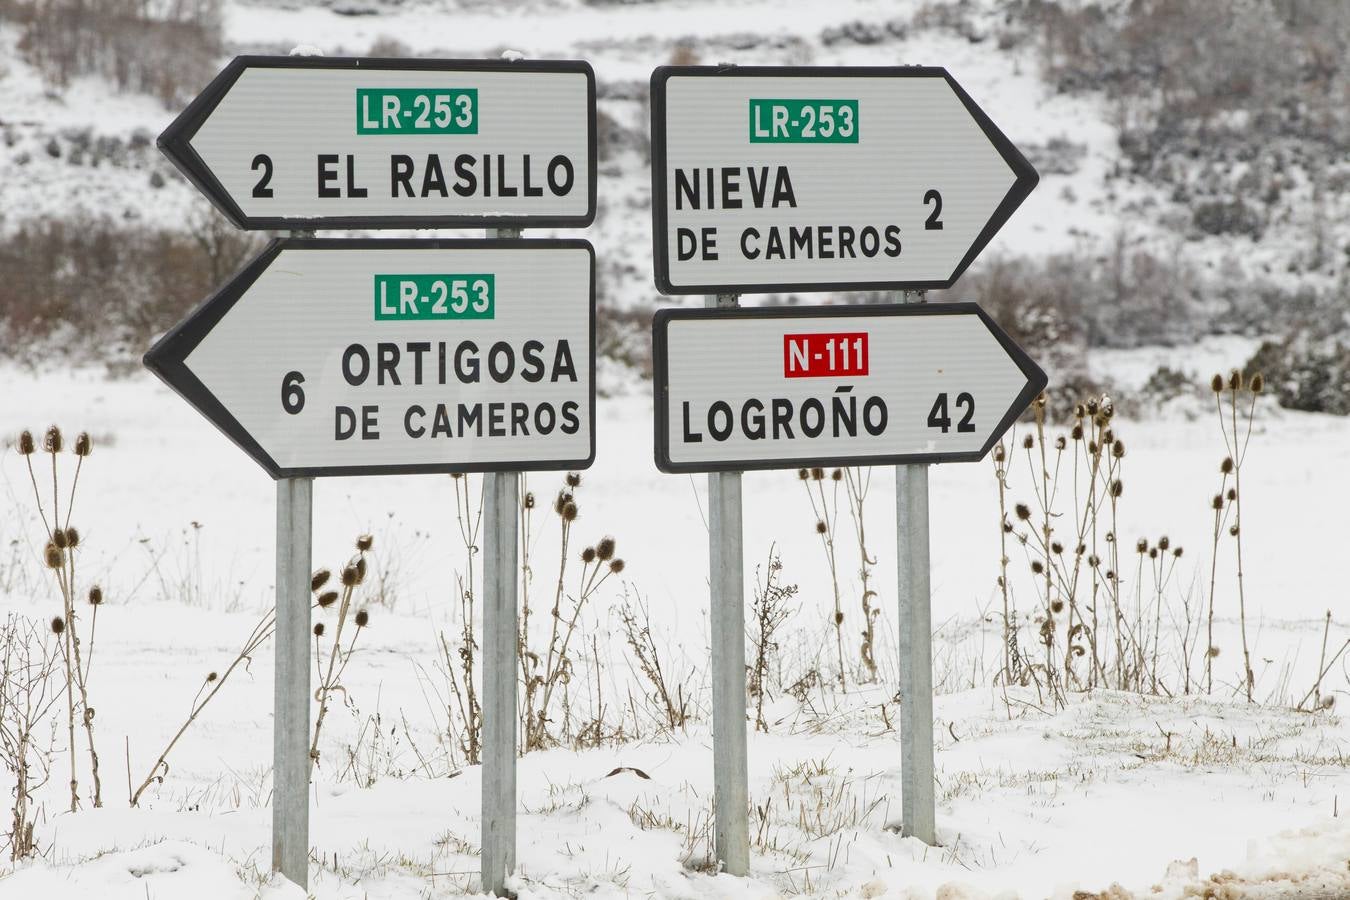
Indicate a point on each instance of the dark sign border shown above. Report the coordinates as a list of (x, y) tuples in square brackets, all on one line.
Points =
[(168, 357), (1026, 177), (176, 143), (1036, 382)]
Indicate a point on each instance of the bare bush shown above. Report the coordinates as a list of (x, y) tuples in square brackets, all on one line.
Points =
[(28, 691)]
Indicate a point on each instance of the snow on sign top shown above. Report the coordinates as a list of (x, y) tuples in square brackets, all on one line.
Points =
[(305, 142), (819, 178)]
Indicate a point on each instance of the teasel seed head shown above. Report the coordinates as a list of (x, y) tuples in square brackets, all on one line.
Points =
[(569, 512), (1092, 448), (605, 549), (1091, 408), (1028, 442), (59, 538), (1328, 701), (1023, 511), (318, 580), (588, 555), (1076, 432), (1216, 384), (1235, 380), (1164, 542), (1233, 530), (362, 618), (1212, 652), (95, 596), (803, 474), (327, 599), (528, 501), (1057, 606), (837, 475), (58, 624), (1141, 545), (1093, 560), (821, 527), (563, 498), (999, 453), (360, 569), (211, 676), (817, 474), (1258, 383), (1117, 488), (1007, 527), (456, 475), (1061, 442), (1079, 411), (349, 576), (53, 556), (1110, 537), (72, 537), (25, 444), (318, 629), (365, 542), (1056, 548), (1226, 467), (1152, 552), (1036, 566), (839, 618), (574, 479), (616, 566), (83, 445), (1217, 502), (1118, 449), (52, 441), (1080, 549), (1177, 553)]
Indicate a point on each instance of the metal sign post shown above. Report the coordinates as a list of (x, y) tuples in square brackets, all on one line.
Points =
[(726, 577), (500, 610), (914, 627)]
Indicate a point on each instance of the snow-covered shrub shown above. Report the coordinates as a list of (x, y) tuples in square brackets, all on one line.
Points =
[(1307, 373)]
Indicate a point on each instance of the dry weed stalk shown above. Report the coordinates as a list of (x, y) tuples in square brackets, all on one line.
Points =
[(352, 576), (826, 511), (671, 706), (857, 482), (469, 517), (27, 695), (769, 611), (59, 556)]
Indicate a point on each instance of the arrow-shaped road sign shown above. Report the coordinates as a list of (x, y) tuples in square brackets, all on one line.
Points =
[(327, 142), (782, 387), (364, 357), (816, 179)]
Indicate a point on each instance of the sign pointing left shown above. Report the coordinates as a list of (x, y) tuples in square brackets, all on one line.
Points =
[(367, 357), (307, 142)]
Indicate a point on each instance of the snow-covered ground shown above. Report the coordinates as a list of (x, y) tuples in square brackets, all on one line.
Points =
[(177, 527)]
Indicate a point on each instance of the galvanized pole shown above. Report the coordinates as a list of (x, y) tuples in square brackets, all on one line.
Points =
[(916, 650), (290, 680), (501, 505), (726, 576), (290, 717)]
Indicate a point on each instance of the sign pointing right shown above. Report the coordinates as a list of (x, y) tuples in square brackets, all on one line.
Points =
[(782, 387), (817, 179)]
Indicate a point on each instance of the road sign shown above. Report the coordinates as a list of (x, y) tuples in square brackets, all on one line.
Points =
[(779, 387), (365, 357), (822, 179), (325, 142)]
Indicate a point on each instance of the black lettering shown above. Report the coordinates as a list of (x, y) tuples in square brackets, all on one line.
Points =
[(417, 348), (571, 424), (539, 424), (441, 424), (782, 189), (685, 188), (560, 186), (352, 189), (327, 174), (414, 431), (892, 241), (562, 363), (710, 243), (370, 424), (355, 352), (690, 436), (723, 431), (501, 371), (496, 420), (466, 180), (847, 415), (533, 369), (400, 173), (731, 186), (846, 241), (782, 418), (520, 413), (813, 406), (387, 355), (746, 251), (869, 235), (471, 416), (874, 408), (758, 187), (801, 240), (434, 178), (345, 424), (529, 191), (503, 189), (466, 370), (752, 420)]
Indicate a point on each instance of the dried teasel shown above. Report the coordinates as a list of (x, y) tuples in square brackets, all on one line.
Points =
[(52, 441), (1118, 449), (605, 548), (821, 527), (1216, 503), (1164, 542), (58, 624), (59, 538), (1117, 488), (1036, 567), (528, 501), (72, 537), (365, 542), (839, 618), (1226, 467), (1080, 549), (53, 556), (1028, 442), (999, 453), (817, 474), (616, 566), (588, 555), (1153, 553), (95, 596), (350, 577), (1141, 545), (456, 475), (1235, 380), (1232, 494), (837, 475), (25, 443), (574, 479), (1076, 432), (563, 498), (1057, 606), (1177, 553), (362, 618), (1216, 384), (1007, 527), (318, 629), (1212, 652), (318, 580), (1092, 409), (1233, 530), (1061, 442), (1056, 548), (569, 512), (1258, 383), (211, 676), (803, 475), (83, 445), (1023, 511), (327, 599), (1093, 560)]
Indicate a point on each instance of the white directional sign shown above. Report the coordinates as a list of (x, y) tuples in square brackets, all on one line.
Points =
[(344, 357), (814, 179), (305, 142), (778, 387)]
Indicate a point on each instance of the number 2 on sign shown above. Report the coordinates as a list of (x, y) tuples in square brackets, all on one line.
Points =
[(938, 416)]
